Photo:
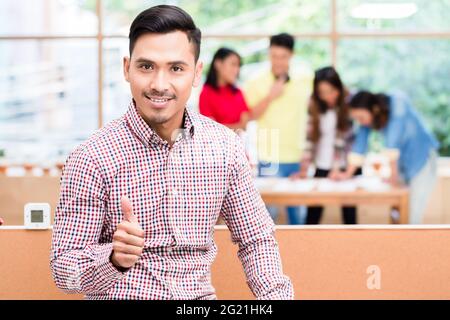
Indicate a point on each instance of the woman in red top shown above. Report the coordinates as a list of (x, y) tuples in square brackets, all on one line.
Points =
[(220, 99)]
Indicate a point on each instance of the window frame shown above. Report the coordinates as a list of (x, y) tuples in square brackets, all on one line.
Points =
[(333, 36)]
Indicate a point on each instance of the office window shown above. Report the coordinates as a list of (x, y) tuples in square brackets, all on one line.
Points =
[(47, 17), (62, 59), (48, 94), (231, 17), (393, 15)]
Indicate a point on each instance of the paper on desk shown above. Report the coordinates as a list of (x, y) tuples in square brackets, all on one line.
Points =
[(372, 184), (285, 184), (264, 183), (328, 185)]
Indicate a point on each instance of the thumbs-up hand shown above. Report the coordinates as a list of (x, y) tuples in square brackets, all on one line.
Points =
[(128, 240)]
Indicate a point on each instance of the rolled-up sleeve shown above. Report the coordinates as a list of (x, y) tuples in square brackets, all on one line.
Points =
[(252, 229), (79, 262)]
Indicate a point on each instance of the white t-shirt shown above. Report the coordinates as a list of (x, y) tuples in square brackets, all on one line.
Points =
[(325, 146)]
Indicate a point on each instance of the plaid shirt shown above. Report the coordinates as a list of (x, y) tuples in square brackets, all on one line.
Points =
[(178, 192)]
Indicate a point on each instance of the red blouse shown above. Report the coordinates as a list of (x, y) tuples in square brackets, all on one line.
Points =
[(225, 104)]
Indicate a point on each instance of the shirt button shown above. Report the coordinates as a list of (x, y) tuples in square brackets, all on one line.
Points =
[(174, 192), (169, 249)]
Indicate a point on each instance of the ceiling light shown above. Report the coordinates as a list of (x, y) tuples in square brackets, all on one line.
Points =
[(384, 10)]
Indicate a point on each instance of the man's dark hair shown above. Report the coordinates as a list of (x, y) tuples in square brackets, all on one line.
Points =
[(283, 40), (165, 19)]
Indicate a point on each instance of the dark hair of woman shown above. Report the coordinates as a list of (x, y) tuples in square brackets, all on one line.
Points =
[(376, 104), (212, 77), (318, 106)]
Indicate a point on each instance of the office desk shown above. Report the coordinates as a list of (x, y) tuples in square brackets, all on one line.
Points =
[(395, 196), (15, 192)]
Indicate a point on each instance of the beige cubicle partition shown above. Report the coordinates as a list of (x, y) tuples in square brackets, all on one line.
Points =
[(365, 262), (15, 192)]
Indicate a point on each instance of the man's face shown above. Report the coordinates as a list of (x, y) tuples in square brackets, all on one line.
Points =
[(161, 72), (280, 58)]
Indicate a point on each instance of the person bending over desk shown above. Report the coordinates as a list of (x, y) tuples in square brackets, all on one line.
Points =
[(388, 122)]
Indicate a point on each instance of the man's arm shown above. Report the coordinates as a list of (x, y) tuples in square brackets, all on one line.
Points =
[(252, 229), (79, 263), (309, 149), (355, 157)]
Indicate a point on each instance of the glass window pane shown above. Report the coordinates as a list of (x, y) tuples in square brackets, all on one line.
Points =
[(55, 17), (231, 17), (316, 53), (309, 55), (48, 96), (394, 15), (116, 91), (421, 68)]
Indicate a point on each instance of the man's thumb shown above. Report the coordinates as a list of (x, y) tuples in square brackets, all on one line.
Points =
[(127, 210)]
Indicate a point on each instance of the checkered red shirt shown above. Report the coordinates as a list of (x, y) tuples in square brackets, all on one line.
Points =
[(177, 193)]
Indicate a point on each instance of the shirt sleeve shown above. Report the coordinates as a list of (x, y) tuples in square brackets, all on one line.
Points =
[(303, 121), (206, 106), (342, 147), (310, 146), (79, 262), (399, 125), (242, 101), (361, 141), (252, 229)]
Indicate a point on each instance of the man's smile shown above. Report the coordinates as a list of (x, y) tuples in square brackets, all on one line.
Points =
[(159, 102)]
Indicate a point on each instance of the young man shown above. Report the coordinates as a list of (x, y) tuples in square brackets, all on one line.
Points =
[(280, 99), (140, 198)]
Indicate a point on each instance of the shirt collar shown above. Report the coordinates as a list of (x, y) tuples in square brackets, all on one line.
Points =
[(147, 135)]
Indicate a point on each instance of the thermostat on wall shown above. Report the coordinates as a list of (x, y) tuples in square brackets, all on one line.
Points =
[(36, 216)]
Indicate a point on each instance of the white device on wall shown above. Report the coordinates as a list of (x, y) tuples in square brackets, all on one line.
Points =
[(36, 216)]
